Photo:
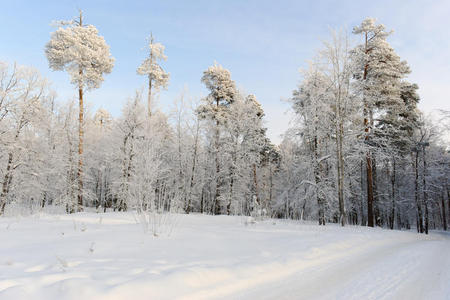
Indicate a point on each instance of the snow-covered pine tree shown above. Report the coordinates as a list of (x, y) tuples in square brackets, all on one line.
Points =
[(215, 109), (394, 130), (78, 49), (254, 141), (378, 72), (151, 67)]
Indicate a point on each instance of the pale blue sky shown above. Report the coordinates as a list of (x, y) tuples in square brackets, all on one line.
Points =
[(262, 43)]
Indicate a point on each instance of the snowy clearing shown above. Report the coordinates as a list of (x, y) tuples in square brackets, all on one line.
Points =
[(108, 256)]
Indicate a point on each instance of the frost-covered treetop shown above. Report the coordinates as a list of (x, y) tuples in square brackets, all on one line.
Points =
[(81, 52), (218, 81), (151, 67), (376, 62), (156, 51), (369, 26), (255, 105)]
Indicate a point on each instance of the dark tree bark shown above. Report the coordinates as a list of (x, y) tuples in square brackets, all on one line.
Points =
[(392, 218), (444, 217), (425, 192), (416, 195)]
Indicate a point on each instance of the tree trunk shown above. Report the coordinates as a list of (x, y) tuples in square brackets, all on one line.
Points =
[(194, 160), (270, 183), (231, 193), (255, 182), (80, 147), (425, 192), (6, 182), (369, 178), (80, 135), (363, 218), (149, 100), (416, 195), (319, 194), (448, 198), (202, 210), (232, 174), (217, 209), (369, 190), (392, 221), (71, 191), (444, 217), (340, 171), (129, 168), (376, 198)]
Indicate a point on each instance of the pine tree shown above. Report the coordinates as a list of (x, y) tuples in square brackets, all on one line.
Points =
[(378, 71), (222, 94), (150, 67), (78, 49)]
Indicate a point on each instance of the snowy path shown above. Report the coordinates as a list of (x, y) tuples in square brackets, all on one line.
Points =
[(394, 270), (108, 256)]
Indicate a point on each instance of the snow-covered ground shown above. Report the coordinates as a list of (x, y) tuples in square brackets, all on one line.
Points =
[(108, 256)]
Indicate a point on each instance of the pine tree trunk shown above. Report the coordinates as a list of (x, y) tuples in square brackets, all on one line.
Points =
[(376, 198), (425, 192), (352, 217), (392, 221), (80, 135), (416, 195), (444, 217), (271, 183), (80, 147), (448, 199), (149, 99), (369, 178), (369, 190), (363, 217), (369, 175)]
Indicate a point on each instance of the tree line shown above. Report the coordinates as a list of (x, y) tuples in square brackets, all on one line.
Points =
[(359, 151)]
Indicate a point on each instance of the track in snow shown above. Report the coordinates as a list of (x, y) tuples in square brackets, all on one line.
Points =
[(394, 270)]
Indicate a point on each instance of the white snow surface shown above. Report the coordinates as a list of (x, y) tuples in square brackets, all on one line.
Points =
[(108, 256)]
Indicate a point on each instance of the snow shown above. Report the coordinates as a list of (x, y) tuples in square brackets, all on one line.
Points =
[(108, 256)]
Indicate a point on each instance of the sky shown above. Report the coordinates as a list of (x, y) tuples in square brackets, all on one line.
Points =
[(262, 43)]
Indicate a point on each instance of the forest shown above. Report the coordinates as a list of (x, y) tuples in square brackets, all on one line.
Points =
[(359, 150)]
